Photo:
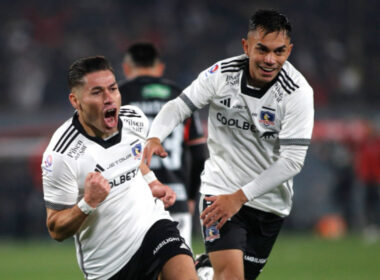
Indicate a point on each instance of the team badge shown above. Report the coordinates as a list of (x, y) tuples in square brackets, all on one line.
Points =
[(48, 162), (136, 151), (267, 118), (212, 233), (213, 69)]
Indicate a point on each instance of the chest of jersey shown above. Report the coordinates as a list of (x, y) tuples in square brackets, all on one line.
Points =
[(119, 164), (238, 113)]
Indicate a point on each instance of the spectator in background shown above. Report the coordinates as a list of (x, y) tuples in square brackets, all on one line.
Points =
[(181, 170), (368, 172)]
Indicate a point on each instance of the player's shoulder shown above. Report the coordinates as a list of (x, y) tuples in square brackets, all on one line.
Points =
[(62, 136), (227, 66), (131, 112), (133, 117), (292, 80)]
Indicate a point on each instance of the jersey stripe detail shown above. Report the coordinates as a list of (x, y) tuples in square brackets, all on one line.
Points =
[(98, 168), (56, 206), (188, 102), (288, 85), (233, 68), (233, 65), (270, 109), (66, 139), (284, 87), (71, 141), (63, 137), (129, 113), (239, 61), (288, 78), (295, 142)]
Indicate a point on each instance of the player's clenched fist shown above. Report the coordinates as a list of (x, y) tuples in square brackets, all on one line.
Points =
[(96, 189)]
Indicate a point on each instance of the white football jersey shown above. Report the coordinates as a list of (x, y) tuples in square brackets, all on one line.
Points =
[(111, 235), (247, 127)]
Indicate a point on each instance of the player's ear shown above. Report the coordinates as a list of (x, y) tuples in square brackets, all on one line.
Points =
[(244, 43), (290, 49), (74, 100)]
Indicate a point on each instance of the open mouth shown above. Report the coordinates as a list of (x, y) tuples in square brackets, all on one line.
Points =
[(267, 69), (110, 118)]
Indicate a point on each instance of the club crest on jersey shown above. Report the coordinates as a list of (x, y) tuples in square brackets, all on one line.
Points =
[(267, 118), (212, 233), (213, 69), (136, 151)]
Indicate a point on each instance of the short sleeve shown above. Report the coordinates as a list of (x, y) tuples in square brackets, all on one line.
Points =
[(203, 89), (59, 181), (298, 121)]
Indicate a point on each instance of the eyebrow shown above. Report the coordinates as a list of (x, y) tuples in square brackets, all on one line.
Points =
[(99, 87), (266, 48)]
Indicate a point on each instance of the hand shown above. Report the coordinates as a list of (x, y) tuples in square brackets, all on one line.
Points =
[(96, 189), (222, 208), (163, 192), (153, 146)]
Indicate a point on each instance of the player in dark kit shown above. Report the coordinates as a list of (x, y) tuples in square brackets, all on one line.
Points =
[(186, 147)]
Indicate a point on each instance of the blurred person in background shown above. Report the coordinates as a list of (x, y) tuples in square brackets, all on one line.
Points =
[(260, 124), (97, 190), (367, 165), (181, 169)]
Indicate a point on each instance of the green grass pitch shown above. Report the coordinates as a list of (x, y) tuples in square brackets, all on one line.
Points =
[(294, 257)]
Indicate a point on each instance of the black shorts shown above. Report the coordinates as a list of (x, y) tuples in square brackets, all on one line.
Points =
[(250, 230), (161, 242)]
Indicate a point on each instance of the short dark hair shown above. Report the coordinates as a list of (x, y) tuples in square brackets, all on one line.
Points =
[(270, 21), (142, 54), (84, 66)]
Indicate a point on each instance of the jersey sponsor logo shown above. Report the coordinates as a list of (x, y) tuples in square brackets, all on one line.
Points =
[(118, 161), (254, 259), (226, 102), (165, 242), (135, 125), (213, 69), (267, 118), (48, 162), (77, 150), (136, 151), (156, 91), (278, 93), (232, 80), (123, 178), (240, 124)]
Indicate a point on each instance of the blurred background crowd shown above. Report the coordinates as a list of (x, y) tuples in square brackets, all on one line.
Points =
[(336, 48)]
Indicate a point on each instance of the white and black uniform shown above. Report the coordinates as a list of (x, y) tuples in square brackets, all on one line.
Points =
[(111, 235), (257, 138), (186, 148)]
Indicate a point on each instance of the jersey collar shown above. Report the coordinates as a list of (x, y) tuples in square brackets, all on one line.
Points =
[(257, 93), (104, 143)]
